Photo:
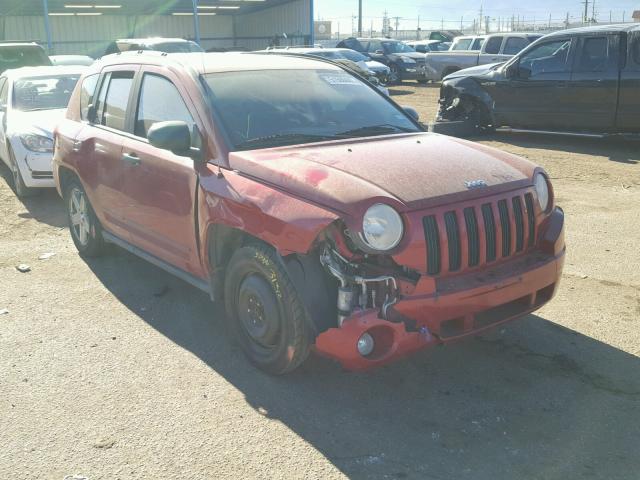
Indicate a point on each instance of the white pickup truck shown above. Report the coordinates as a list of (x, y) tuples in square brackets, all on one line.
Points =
[(496, 48)]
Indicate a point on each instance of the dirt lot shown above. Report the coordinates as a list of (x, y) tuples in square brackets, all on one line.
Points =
[(112, 369)]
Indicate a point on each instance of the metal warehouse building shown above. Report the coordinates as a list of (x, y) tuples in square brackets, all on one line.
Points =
[(86, 27)]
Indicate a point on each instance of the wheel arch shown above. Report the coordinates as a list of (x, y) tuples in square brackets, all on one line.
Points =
[(304, 268)]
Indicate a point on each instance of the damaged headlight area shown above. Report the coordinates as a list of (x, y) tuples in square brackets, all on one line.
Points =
[(382, 228), (357, 290), (37, 143)]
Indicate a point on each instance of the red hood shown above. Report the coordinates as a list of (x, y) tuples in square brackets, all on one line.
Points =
[(411, 171)]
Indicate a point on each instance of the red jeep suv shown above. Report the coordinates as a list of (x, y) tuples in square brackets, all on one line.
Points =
[(313, 206)]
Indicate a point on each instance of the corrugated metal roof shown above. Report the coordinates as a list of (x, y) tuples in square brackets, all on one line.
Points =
[(137, 7)]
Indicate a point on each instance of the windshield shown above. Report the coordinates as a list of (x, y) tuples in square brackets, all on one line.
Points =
[(177, 47), (354, 56), (269, 108), (43, 93), (397, 47), (16, 57)]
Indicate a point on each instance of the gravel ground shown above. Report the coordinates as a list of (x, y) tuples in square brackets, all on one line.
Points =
[(112, 369)]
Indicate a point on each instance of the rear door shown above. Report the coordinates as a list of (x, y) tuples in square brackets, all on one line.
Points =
[(628, 119), (536, 95), (593, 87), (102, 168), (161, 186)]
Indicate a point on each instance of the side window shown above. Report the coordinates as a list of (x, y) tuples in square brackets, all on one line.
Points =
[(493, 45), (421, 48), (113, 99), (373, 46), (477, 44), (635, 49), (462, 44), (594, 55), (549, 57), (514, 45), (86, 94), (172, 107)]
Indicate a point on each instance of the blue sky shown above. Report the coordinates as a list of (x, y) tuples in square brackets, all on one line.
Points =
[(431, 13)]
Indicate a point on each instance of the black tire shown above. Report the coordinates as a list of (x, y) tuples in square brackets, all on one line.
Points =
[(264, 310), (87, 236), (19, 187), (395, 76)]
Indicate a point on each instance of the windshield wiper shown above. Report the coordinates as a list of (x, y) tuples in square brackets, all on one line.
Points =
[(380, 129), (282, 139)]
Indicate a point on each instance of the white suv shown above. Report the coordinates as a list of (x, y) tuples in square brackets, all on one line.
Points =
[(32, 101)]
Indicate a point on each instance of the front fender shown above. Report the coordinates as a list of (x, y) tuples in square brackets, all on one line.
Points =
[(465, 88), (290, 224)]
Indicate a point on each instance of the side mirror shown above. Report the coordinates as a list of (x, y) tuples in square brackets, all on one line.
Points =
[(412, 112), (374, 80), (173, 136), (91, 113)]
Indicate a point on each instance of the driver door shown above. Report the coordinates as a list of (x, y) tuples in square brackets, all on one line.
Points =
[(161, 186), (536, 94)]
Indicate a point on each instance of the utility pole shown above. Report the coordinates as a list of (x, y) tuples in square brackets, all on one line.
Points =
[(359, 18), (585, 18), (462, 23), (593, 11), (566, 21), (418, 29), (481, 19), (397, 25)]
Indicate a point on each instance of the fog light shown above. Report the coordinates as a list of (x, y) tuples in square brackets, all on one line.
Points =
[(365, 344)]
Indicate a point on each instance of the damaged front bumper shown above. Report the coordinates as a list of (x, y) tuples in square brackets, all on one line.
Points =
[(443, 310)]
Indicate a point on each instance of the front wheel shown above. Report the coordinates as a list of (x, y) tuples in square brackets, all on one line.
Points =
[(264, 310), (394, 74), (21, 189), (85, 228)]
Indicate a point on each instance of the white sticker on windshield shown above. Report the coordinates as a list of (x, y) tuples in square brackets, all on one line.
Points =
[(340, 79)]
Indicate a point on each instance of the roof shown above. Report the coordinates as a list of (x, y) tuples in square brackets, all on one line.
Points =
[(22, 72), (619, 28), (215, 62), (132, 7)]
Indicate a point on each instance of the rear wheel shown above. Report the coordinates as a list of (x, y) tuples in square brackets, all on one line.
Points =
[(84, 226), (22, 191), (264, 310)]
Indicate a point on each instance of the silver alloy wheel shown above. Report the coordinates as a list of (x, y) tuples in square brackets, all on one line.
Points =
[(79, 215)]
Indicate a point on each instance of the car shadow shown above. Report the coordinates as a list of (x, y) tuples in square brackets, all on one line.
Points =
[(529, 400), (615, 149), (45, 207), (398, 92)]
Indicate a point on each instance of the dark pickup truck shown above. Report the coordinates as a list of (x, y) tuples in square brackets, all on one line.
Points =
[(581, 81)]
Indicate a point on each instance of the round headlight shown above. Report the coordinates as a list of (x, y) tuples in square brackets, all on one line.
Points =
[(542, 191), (382, 227)]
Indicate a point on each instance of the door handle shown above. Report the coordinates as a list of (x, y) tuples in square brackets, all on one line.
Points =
[(131, 158)]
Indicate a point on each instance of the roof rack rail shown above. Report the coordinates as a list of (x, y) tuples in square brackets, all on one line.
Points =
[(287, 47)]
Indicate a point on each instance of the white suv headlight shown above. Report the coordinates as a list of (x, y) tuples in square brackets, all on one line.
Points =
[(37, 143), (382, 227), (542, 191)]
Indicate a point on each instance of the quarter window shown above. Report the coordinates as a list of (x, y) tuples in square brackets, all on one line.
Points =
[(151, 111), (550, 57), (493, 45), (4, 89), (86, 94), (114, 98), (594, 55), (514, 45)]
